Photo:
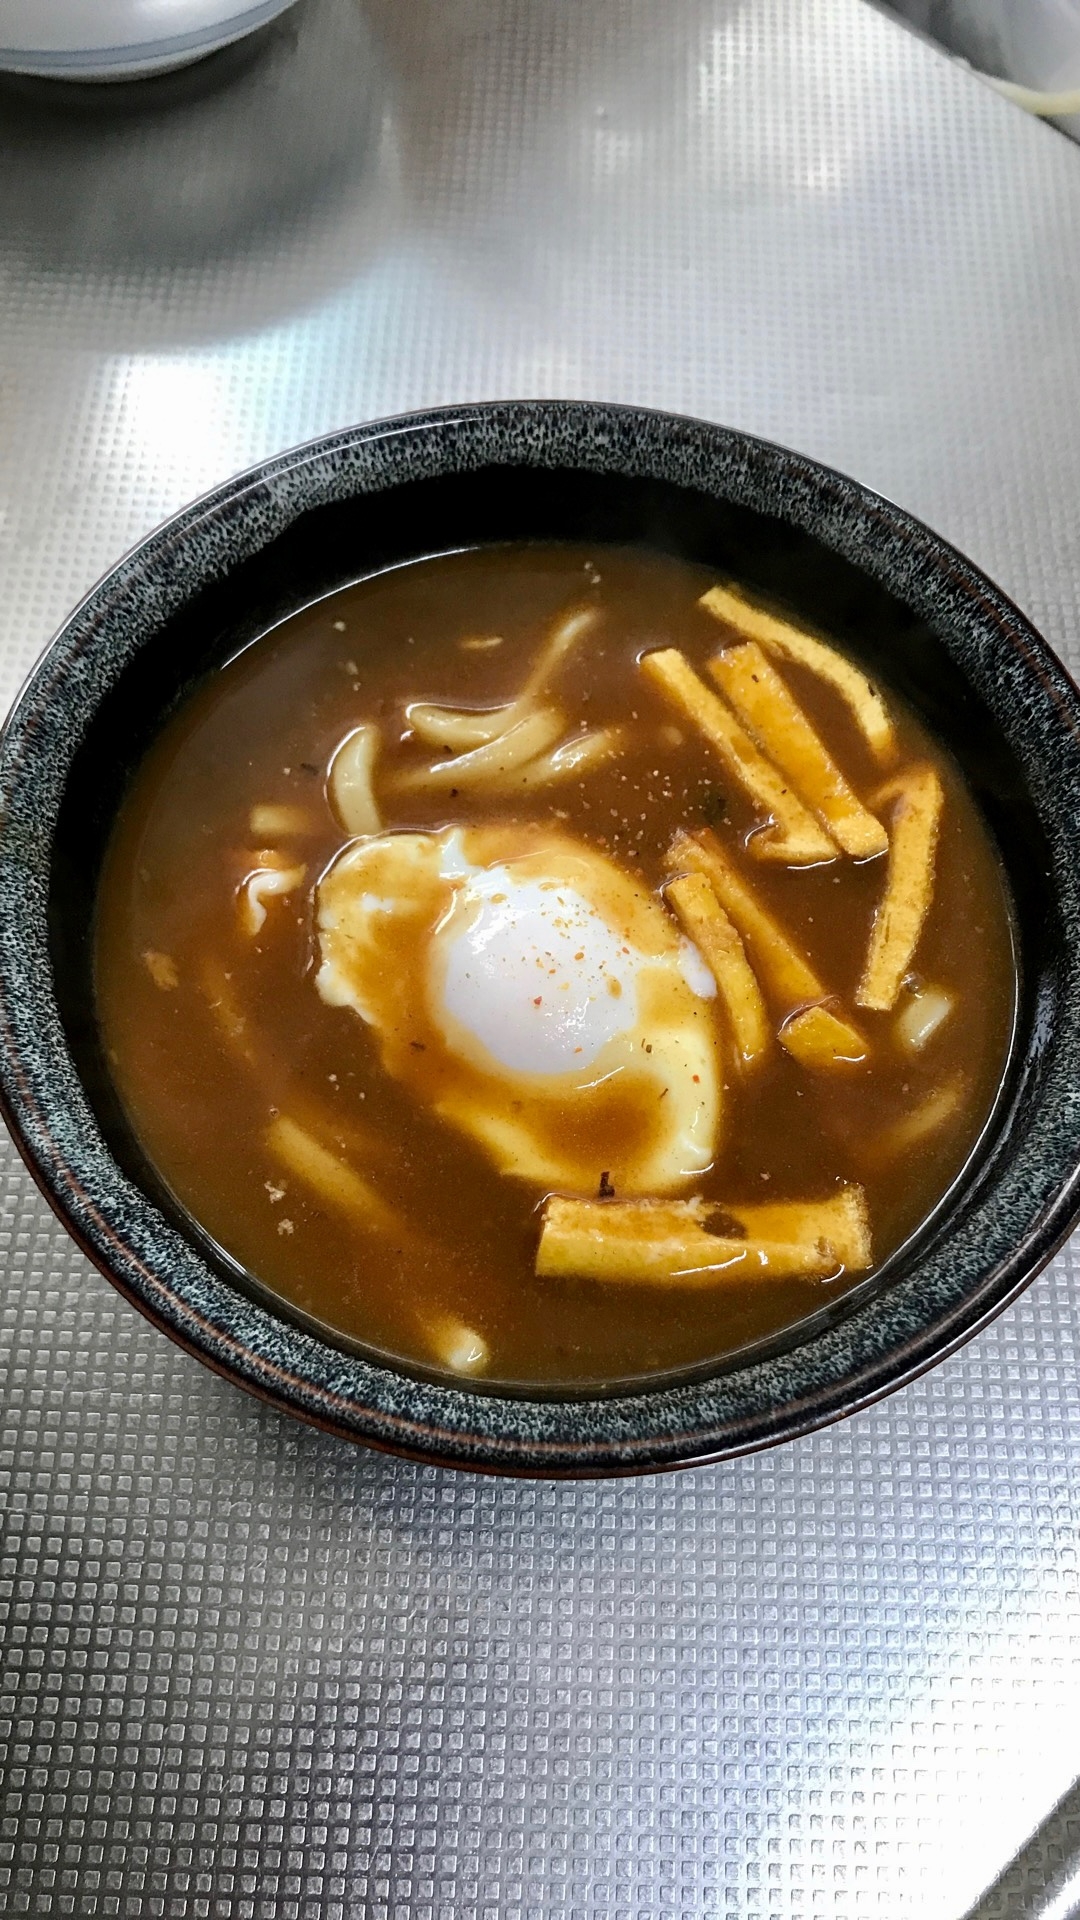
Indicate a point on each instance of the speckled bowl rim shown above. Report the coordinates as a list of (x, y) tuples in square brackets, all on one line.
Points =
[(996, 1250)]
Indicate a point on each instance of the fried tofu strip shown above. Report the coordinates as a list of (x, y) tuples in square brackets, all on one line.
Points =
[(352, 775), (491, 764), (785, 972), (842, 1222), (760, 698), (334, 1181), (823, 1041), (793, 836), (460, 729), (646, 1241), (649, 1241), (791, 643), (909, 886), (707, 925)]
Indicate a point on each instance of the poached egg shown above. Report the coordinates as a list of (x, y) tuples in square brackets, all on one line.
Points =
[(533, 994)]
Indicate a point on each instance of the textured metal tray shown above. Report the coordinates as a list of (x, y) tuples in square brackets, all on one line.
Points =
[(249, 1671)]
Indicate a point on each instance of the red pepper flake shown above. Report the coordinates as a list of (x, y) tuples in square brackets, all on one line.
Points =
[(538, 1000)]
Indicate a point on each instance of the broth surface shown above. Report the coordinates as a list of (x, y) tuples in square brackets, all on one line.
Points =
[(218, 1035)]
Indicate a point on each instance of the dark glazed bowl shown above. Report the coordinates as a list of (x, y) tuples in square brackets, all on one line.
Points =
[(910, 607)]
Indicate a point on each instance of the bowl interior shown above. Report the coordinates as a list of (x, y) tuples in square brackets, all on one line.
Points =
[(336, 544)]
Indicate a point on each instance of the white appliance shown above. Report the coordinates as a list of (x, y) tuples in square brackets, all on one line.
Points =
[(121, 39)]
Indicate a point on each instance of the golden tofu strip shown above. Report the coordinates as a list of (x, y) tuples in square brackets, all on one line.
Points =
[(760, 698), (644, 1242), (793, 836), (791, 643), (489, 765), (333, 1181), (823, 1041), (909, 885), (785, 972), (842, 1223), (707, 925)]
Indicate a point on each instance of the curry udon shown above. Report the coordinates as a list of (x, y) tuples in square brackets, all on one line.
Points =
[(550, 966)]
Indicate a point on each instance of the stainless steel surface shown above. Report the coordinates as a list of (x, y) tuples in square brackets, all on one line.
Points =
[(250, 1672)]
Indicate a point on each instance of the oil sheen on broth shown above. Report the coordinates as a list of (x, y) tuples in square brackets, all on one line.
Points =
[(547, 966)]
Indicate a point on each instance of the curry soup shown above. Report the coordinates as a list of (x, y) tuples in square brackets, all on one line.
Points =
[(547, 966)]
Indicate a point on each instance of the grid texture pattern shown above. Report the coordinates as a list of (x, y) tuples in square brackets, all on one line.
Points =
[(249, 1672)]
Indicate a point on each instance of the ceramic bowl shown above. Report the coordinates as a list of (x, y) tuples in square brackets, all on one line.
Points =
[(121, 39), (226, 569)]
